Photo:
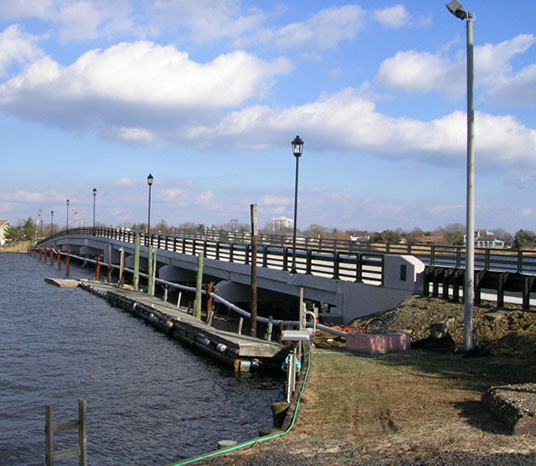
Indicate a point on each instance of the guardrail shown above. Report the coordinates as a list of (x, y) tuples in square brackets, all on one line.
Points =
[(502, 260), (350, 266)]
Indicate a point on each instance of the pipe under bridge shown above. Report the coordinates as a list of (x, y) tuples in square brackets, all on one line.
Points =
[(352, 284)]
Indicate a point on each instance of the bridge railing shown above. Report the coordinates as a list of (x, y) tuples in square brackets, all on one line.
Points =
[(508, 260), (358, 266), (502, 260)]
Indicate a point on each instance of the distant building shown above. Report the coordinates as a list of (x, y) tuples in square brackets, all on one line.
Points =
[(281, 223), (3, 227), (486, 239)]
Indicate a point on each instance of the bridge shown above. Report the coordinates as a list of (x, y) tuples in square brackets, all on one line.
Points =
[(348, 283)]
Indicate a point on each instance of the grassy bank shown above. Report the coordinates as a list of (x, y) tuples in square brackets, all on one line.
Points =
[(398, 409)]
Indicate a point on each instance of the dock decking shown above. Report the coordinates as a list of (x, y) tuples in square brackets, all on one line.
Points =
[(63, 282), (242, 352)]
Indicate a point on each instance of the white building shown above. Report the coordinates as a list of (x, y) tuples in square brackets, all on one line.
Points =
[(281, 223), (3, 226)]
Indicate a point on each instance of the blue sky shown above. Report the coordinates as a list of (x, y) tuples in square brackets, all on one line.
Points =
[(207, 95)]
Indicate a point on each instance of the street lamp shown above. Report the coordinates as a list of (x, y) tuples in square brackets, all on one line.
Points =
[(150, 180), (51, 222), (94, 198), (67, 226), (297, 149), (457, 9)]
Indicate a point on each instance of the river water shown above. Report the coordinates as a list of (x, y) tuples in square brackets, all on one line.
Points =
[(150, 400)]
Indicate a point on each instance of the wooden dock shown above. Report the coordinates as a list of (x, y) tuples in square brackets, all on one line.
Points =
[(63, 282), (239, 351)]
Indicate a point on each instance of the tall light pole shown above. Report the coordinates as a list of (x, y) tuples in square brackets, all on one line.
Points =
[(67, 226), (297, 149), (150, 180), (457, 9), (51, 222), (94, 199)]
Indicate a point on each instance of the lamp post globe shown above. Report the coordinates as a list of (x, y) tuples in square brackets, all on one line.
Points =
[(297, 150)]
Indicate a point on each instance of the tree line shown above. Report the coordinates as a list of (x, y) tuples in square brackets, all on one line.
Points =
[(450, 235)]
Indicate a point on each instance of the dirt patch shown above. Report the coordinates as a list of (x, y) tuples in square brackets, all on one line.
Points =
[(507, 331)]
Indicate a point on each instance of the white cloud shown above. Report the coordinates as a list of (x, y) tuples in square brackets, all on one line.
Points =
[(323, 30), (17, 47), (209, 20), (346, 121), (414, 71), (269, 200), (132, 134), (173, 194), (395, 16), (133, 86), (31, 196), (76, 20)]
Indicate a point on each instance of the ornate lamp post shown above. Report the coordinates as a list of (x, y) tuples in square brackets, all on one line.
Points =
[(297, 149), (94, 199), (457, 9), (67, 226), (150, 180)]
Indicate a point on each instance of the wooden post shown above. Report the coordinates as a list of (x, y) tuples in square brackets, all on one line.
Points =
[(179, 299), (121, 280), (82, 432), (109, 263), (51, 256), (210, 303), (137, 263), (254, 233), (240, 324), (198, 286), (51, 428), (49, 435), (59, 261), (149, 268), (300, 314), (68, 263), (152, 271), (98, 270)]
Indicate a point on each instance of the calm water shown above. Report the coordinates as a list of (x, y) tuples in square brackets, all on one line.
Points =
[(150, 400)]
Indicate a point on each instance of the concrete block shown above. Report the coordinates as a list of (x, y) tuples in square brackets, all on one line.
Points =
[(378, 343)]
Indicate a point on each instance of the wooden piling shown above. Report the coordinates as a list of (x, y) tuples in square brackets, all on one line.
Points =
[(68, 263), (199, 285), (121, 266), (254, 232), (137, 263), (59, 261), (98, 270), (109, 263)]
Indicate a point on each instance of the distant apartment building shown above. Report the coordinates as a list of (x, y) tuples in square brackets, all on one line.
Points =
[(281, 224), (3, 227), (486, 239)]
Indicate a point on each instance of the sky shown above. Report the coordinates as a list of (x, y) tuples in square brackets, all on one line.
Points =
[(207, 96)]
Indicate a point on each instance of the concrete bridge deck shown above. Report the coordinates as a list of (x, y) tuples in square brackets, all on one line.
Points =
[(351, 284)]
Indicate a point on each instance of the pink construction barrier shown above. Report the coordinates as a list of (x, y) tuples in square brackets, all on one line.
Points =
[(378, 343)]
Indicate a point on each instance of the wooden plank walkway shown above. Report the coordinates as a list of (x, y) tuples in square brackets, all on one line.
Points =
[(243, 352), (63, 282)]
